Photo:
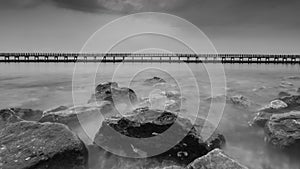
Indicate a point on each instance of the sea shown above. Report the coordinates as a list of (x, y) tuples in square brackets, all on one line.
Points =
[(48, 85)]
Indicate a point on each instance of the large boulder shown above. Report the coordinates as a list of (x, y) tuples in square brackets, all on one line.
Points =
[(32, 145), (283, 130), (145, 132), (110, 91), (216, 159)]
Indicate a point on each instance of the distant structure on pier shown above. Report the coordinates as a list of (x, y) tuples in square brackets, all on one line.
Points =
[(147, 57)]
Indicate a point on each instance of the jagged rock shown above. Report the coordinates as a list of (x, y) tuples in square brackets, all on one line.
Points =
[(110, 91), (240, 100), (283, 94), (32, 145), (70, 116), (260, 119), (120, 134), (216, 159), (7, 117), (56, 109), (283, 130), (286, 84), (276, 104), (170, 101), (26, 114), (154, 80)]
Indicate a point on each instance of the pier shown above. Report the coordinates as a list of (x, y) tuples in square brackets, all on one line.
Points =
[(147, 57)]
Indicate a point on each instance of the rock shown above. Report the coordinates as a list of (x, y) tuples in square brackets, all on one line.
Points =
[(260, 119), (25, 114), (120, 133), (56, 109), (240, 100), (70, 116), (154, 80), (283, 94), (293, 102), (285, 84), (216, 159), (7, 117), (298, 90), (275, 104), (110, 91), (32, 145), (283, 130), (170, 101), (293, 78)]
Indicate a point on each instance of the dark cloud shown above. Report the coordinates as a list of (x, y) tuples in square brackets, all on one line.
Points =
[(202, 12)]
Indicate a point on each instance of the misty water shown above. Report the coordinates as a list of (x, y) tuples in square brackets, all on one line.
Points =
[(44, 86)]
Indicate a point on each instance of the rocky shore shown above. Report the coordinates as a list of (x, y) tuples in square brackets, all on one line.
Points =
[(281, 122), (32, 139)]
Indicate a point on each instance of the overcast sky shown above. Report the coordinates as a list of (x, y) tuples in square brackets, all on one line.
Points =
[(234, 26)]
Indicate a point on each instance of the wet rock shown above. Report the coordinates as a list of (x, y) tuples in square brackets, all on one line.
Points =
[(286, 84), (32, 145), (25, 114), (284, 94), (293, 78), (145, 132), (260, 119), (56, 109), (70, 116), (7, 117), (240, 100), (283, 130), (154, 80), (276, 104), (216, 159), (110, 91), (170, 100)]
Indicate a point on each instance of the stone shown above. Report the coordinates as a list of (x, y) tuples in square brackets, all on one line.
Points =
[(33, 145), (70, 116), (7, 117), (283, 94), (298, 90), (215, 159), (154, 80), (276, 104), (25, 114), (283, 130), (125, 134), (260, 119), (110, 91), (240, 100)]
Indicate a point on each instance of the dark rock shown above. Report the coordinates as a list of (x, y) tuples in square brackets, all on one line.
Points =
[(283, 130), (298, 90), (216, 159), (147, 132), (283, 94), (154, 81), (32, 145), (7, 116), (110, 91)]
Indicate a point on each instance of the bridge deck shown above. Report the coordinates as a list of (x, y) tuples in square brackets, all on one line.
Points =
[(127, 57)]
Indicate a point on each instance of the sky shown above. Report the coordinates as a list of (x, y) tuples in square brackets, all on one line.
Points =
[(233, 26)]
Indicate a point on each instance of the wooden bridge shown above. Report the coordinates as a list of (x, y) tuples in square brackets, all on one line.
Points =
[(153, 57)]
